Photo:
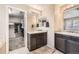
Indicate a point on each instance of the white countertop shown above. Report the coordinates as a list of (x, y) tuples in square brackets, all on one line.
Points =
[(69, 33), (34, 32)]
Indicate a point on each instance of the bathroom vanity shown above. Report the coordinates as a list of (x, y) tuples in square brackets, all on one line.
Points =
[(67, 42), (36, 39)]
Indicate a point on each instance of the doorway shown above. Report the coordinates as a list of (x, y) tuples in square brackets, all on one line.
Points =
[(16, 29)]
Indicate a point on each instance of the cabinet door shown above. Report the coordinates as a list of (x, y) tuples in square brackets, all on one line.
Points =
[(39, 40), (45, 38), (73, 45), (28, 41), (33, 42), (60, 44)]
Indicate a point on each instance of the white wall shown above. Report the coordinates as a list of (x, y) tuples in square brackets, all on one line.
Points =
[(48, 12), (3, 27)]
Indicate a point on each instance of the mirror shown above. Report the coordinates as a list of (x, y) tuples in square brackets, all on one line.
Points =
[(36, 22), (71, 19), (32, 19)]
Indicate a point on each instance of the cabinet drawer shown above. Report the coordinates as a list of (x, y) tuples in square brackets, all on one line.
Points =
[(62, 36), (72, 47)]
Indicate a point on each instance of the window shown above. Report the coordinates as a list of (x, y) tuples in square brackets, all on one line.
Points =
[(72, 24)]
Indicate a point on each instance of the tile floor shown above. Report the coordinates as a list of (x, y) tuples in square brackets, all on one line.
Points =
[(15, 43), (20, 51), (58, 52), (38, 51)]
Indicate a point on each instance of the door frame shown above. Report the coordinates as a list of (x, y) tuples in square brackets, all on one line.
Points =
[(7, 30)]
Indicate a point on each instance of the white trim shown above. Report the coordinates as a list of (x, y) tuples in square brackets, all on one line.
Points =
[(7, 33), (7, 24)]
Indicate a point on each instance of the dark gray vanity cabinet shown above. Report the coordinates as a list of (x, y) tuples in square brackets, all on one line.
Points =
[(60, 42), (67, 44), (36, 40), (73, 45)]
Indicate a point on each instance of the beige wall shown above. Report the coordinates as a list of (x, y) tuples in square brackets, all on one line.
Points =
[(58, 18), (31, 20)]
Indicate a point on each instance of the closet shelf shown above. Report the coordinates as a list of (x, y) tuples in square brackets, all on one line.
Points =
[(11, 23)]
